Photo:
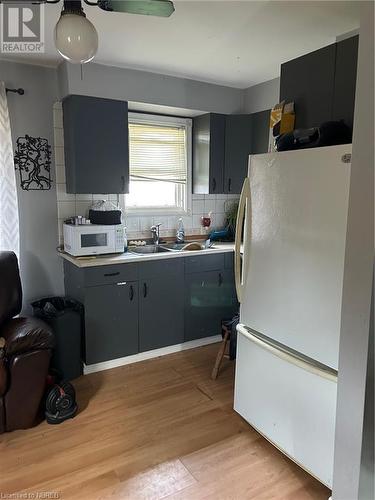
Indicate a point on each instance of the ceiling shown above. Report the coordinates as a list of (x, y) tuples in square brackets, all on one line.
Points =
[(233, 43)]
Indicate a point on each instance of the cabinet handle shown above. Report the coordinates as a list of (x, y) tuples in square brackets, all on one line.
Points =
[(144, 290), (131, 292), (229, 184), (112, 274), (220, 279), (122, 283), (214, 184)]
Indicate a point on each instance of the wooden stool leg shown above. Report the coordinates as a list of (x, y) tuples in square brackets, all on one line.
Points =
[(220, 355)]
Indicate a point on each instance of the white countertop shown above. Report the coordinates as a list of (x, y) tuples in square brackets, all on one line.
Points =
[(124, 258)]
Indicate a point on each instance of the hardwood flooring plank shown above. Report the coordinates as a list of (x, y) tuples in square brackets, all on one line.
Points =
[(154, 484)]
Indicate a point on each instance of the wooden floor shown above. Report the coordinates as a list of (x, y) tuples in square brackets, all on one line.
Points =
[(156, 429)]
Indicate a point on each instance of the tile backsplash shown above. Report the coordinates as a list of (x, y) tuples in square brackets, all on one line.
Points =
[(138, 226)]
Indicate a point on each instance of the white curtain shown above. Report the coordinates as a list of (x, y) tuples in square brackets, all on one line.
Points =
[(9, 227)]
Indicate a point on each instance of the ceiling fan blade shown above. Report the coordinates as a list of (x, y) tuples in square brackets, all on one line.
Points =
[(161, 8)]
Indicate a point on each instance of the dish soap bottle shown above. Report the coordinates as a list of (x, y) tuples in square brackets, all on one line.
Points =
[(180, 235)]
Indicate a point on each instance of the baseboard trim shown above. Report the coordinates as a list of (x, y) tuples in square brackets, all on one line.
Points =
[(155, 353)]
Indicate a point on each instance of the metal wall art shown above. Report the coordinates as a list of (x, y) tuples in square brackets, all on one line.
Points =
[(32, 159)]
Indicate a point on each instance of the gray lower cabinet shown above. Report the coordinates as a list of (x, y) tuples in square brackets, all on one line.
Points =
[(137, 307), (161, 304), (210, 296), (111, 321), (228, 301), (202, 305)]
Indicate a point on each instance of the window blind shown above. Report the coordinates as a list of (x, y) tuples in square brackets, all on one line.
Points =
[(157, 152)]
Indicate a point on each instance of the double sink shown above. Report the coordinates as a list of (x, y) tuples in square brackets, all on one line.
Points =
[(161, 248)]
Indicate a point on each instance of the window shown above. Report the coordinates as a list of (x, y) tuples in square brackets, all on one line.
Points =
[(160, 164)]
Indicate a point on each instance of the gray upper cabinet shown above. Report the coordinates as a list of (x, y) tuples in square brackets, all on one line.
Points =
[(322, 84), (208, 153), (161, 304), (221, 148), (238, 139), (309, 82), (345, 80), (260, 131), (96, 145)]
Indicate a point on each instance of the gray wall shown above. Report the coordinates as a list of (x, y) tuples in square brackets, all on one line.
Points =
[(262, 96), (41, 269), (355, 319), (142, 86)]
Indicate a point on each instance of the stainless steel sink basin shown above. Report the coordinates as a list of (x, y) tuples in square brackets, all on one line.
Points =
[(177, 247), (147, 249), (173, 246)]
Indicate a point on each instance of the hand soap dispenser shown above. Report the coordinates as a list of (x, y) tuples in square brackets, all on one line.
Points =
[(180, 235)]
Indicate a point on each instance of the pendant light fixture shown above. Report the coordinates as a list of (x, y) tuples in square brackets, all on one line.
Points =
[(76, 38)]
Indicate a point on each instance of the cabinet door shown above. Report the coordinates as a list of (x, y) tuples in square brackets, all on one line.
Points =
[(345, 80), (260, 131), (210, 297), (161, 304), (238, 132), (208, 153), (202, 305), (309, 82), (96, 145), (228, 300), (217, 145), (111, 321)]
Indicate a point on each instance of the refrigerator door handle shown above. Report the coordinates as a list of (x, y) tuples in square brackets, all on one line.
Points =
[(238, 272), (288, 355)]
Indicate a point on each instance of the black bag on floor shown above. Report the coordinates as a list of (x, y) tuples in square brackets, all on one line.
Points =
[(328, 134)]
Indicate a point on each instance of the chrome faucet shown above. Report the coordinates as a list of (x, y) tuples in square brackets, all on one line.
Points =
[(155, 230)]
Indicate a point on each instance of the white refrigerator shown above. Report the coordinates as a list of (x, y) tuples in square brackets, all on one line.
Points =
[(293, 210)]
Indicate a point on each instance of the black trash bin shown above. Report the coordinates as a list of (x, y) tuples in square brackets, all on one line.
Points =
[(65, 317)]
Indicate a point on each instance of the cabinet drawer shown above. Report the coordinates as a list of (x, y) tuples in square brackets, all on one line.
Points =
[(161, 268), (104, 275), (201, 263)]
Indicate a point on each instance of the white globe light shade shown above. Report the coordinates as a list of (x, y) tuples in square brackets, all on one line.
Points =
[(76, 38)]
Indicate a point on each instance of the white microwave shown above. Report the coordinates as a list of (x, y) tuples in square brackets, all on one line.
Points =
[(93, 239)]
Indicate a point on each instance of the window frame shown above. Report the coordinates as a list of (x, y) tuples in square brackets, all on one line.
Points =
[(154, 119)]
